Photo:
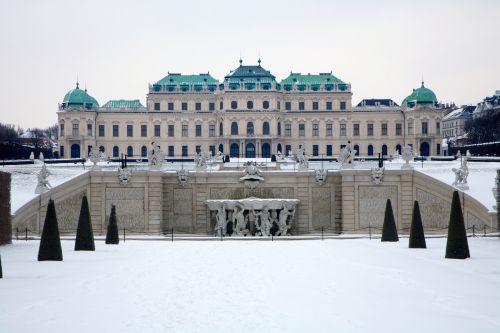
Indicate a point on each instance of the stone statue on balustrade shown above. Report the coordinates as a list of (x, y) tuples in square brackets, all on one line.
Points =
[(43, 183), (407, 155), (95, 155), (264, 227), (279, 156), (346, 156), (200, 160), (155, 157), (221, 221), (461, 175), (282, 221), (220, 157), (238, 220), (302, 158)]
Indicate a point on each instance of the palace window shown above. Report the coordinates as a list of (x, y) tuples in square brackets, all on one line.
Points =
[(221, 129), (342, 105), (89, 130), (369, 129), (211, 149), (144, 151), (171, 151), (250, 128), (355, 129), (234, 128), (221, 105), (265, 105), (384, 129), (288, 129), (398, 128), (211, 130), (184, 106), (144, 130), (315, 130), (157, 130), (302, 105), (288, 149), (249, 105), (198, 130), (184, 132), (279, 105), (329, 129), (234, 105), (288, 106), (130, 151), (315, 105), (170, 106), (116, 131), (279, 129), (116, 151), (101, 130), (265, 128), (75, 130), (343, 130), (211, 106), (170, 130), (61, 150), (61, 130), (315, 150), (184, 151), (329, 150), (410, 127), (157, 106), (302, 129), (198, 149), (425, 129), (197, 106), (438, 128), (130, 131), (329, 106)]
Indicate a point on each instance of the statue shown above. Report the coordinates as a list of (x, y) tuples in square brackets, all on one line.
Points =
[(461, 175), (183, 176), (32, 156), (200, 160), (238, 219), (124, 176), (302, 158), (155, 156), (221, 224), (279, 156), (282, 225), (377, 175), (43, 184), (220, 156), (252, 175), (346, 156), (320, 176), (95, 156), (265, 225), (407, 156)]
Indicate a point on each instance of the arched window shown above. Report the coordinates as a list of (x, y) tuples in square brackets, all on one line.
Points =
[(265, 105), (279, 128), (265, 128), (130, 151), (144, 151), (278, 148), (101, 149), (234, 150), (398, 148), (221, 148), (384, 150), (221, 129), (356, 148), (249, 105), (234, 105), (370, 150), (266, 150), (116, 151), (250, 128), (234, 128)]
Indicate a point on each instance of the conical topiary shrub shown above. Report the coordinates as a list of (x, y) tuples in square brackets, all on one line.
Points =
[(389, 231), (417, 237), (50, 243), (84, 234), (457, 246), (112, 234)]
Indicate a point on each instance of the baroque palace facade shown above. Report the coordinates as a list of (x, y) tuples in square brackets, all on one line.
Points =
[(249, 114)]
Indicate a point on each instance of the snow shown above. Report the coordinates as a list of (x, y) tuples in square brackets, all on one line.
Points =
[(354, 285)]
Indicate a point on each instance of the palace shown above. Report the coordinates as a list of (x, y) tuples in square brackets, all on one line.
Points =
[(249, 114)]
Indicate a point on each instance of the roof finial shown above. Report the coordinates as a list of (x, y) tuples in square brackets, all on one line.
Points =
[(259, 58), (77, 84), (422, 79), (241, 60)]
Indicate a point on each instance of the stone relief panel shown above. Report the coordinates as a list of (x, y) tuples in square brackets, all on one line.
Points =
[(68, 212), (372, 201), (321, 207), (183, 209), (434, 210), (129, 204), (259, 192)]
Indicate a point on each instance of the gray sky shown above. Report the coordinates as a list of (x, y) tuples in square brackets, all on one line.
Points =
[(117, 47)]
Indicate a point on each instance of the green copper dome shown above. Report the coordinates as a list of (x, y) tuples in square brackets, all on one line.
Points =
[(79, 97), (420, 96)]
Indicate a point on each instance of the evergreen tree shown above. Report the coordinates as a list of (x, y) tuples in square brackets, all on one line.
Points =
[(84, 234), (389, 231), (457, 246), (50, 243), (417, 236), (112, 234)]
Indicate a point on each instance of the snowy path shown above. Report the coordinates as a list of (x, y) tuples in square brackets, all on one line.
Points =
[(295, 286)]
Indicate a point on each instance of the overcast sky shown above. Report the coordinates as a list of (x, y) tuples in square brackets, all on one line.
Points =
[(383, 48)]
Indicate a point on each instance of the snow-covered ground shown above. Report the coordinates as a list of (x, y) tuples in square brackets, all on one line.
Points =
[(481, 174), (252, 286)]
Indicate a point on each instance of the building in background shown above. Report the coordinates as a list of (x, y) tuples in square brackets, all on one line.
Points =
[(454, 124), (249, 114)]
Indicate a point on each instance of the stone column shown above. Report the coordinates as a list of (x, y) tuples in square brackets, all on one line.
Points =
[(5, 218)]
